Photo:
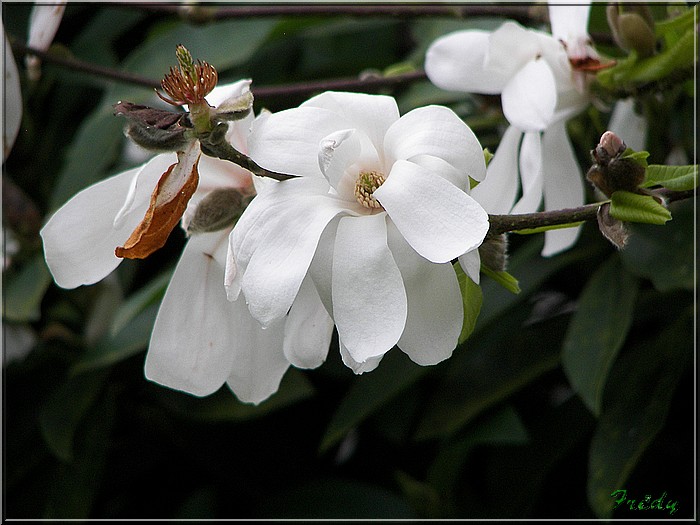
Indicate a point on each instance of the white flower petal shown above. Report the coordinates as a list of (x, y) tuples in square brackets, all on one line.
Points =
[(369, 301), (456, 62), (370, 114), (281, 259), (196, 333), (629, 125), (563, 185), (79, 239), (308, 329), (497, 193), (510, 47), (43, 24), (357, 367), (264, 213), (321, 267), (440, 221), (530, 97), (530, 174), (259, 364), (569, 22), (437, 131), (337, 152), (435, 313), (12, 108), (288, 141), (471, 264), (142, 185)]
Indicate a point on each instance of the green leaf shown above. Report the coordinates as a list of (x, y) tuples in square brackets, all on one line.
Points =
[(668, 260), (223, 405), (502, 427), (632, 207), (505, 279), (74, 487), (65, 409), (677, 178), (112, 348), (497, 362), (471, 302), (598, 329), (370, 392), (637, 401), (640, 157), (149, 294), (24, 292)]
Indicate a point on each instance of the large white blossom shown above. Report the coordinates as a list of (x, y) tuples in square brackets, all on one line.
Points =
[(379, 210), (200, 340), (542, 82)]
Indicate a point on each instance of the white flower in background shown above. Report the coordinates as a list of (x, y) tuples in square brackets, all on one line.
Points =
[(378, 211), (43, 24), (200, 340), (541, 86), (12, 98)]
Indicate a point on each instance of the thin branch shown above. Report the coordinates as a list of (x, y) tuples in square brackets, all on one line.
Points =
[(526, 221), (204, 13), (84, 67)]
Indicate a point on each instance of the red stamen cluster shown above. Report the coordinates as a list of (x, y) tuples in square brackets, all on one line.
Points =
[(189, 89)]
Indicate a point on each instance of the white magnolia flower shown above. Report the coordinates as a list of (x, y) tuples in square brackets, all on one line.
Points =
[(200, 340), (378, 211), (542, 82)]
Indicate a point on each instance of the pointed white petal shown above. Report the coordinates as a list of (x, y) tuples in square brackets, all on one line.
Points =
[(439, 132), (440, 221), (195, 334), (530, 97), (563, 185), (357, 367), (569, 22), (456, 62), (308, 329), (80, 238), (435, 313), (43, 24), (497, 193), (369, 301), (530, 173), (471, 264)]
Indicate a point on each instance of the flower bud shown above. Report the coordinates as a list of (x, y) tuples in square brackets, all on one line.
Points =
[(611, 171), (633, 28), (494, 252), (154, 129), (234, 108), (218, 210)]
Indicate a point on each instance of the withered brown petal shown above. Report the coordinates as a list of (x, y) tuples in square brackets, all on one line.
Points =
[(160, 219), (612, 229)]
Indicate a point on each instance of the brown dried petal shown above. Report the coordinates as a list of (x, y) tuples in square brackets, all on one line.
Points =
[(165, 209), (612, 229)]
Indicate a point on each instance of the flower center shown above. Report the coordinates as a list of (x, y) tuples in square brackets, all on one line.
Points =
[(367, 182), (190, 83)]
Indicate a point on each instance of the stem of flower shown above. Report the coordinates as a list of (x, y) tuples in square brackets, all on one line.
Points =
[(526, 221)]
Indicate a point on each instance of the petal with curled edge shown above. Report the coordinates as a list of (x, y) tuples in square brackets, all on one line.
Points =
[(358, 367), (168, 202), (439, 220), (530, 174)]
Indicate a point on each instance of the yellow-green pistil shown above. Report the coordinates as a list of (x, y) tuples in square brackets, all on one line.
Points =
[(367, 182)]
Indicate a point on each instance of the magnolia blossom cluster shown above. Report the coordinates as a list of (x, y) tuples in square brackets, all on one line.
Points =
[(362, 232)]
